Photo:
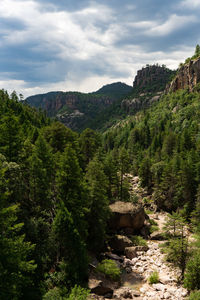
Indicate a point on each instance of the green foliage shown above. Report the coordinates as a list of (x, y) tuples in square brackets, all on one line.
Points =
[(195, 56), (68, 238), (109, 268), (78, 293), (138, 241), (153, 228), (194, 295), (154, 277), (192, 275), (53, 294), (15, 265), (99, 211)]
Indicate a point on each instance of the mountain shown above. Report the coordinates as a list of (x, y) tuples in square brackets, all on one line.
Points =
[(76, 110), (100, 109), (148, 86), (116, 89)]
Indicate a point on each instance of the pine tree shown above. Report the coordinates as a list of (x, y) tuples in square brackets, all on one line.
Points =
[(71, 250), (71, 188), (99, 210)]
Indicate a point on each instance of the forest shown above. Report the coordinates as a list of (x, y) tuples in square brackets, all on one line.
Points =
[(56, 186)]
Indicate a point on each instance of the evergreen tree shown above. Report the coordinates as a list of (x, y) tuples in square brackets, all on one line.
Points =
[(99, 210), (71, 188), (71, 250)]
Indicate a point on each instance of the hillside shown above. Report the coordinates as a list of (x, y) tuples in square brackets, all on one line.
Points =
[(112, 102), (149, 84), (77, 110)]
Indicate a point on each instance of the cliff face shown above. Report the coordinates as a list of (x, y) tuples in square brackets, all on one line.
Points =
[(188, 76), (152, 78), (148, 86), (73, 101)]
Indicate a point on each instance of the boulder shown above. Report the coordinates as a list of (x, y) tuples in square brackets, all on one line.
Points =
[(100, 285), (130, 252), (119, 242), (125, 293), (126, 215), (113, 256)]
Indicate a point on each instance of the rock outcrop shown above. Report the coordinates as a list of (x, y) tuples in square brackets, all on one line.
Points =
[(187, 77), (118, 243), (126, 216), (152, 77)]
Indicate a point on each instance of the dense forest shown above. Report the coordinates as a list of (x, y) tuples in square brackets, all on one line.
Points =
[(56, 187)]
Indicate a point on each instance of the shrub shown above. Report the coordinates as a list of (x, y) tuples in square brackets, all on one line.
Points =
[(153, 228), (53, 294), (154, 277), (78, 293), (153, 222), (195, 295), (138, 240), (192, 275), (109, 268)]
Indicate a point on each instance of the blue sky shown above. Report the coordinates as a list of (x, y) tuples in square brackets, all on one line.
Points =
[(48, 45)]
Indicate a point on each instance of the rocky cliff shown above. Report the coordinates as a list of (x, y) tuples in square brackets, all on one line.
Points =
[(148, 86), (152, 78), (187, 76)]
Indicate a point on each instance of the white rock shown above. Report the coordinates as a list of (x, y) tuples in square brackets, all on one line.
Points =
[(151, 294), (167, 295), (184, 293), (141, 270), (159, 287)]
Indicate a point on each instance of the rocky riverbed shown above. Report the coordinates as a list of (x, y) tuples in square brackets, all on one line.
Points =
[(138, 263)]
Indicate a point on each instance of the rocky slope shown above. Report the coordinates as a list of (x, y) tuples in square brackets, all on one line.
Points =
[(187, 77)]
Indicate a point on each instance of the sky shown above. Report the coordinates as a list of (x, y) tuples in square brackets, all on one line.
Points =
[(81, 45)]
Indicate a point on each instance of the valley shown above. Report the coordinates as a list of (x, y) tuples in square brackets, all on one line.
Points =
[(110, 209)]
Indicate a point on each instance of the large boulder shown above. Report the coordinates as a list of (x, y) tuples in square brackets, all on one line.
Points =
[(118, 243), (126, 215)]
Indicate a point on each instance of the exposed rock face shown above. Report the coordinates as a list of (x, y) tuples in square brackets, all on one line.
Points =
[(135, 104), (188, 76), (151, 75), (125, 215)]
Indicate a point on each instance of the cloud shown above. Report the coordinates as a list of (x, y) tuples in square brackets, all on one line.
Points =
[(174, 23), (190, 4), (50, 45)]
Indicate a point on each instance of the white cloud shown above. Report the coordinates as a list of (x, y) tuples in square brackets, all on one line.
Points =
[(87, 36), (173, 23), (191, 4)]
